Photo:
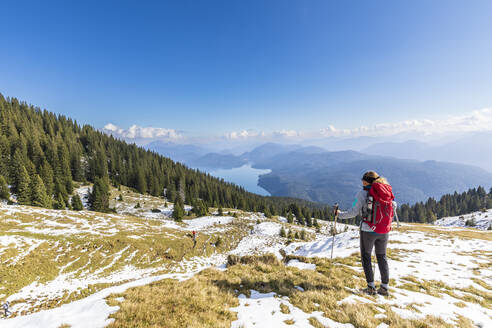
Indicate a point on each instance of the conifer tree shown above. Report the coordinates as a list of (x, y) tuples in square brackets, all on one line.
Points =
[(141, 183), (290, 218), (59, 202), (17, 168), (23, 192), (303, 234), (4, 189), (46, 173), (301, 221), (99, 197), (290, 234), (178, 211), (77, 203), (38, 193), (4, 156)]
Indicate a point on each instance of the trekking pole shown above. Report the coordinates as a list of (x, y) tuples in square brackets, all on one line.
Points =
[(334, 229)]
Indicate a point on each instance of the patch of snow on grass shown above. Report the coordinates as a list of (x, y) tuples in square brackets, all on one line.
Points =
[(267, 229), (346, 243), (482, 220), (205, 222), (301, 265), (263, 310), (92, 311), (443, 307)]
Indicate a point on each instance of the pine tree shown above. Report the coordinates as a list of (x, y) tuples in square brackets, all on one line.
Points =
[(59, 202), (303, 234), (290, 218), (17, 168), (38, 193), (141, 182), (290, 234), (77, 203), (99, 197), (4, 156), (46, 173), (4, 189), (300, 220), (23, 192), (178, 211), (220, 211)]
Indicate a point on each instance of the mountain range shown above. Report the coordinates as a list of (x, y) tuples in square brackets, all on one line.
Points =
[(316, 174)]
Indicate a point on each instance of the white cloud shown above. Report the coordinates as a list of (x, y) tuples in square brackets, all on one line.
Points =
[(253, 134), (244, 134), (138, 132), (287, 133), (479, 120)]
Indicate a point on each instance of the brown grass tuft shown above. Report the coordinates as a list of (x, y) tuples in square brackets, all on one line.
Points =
[(269, 259)]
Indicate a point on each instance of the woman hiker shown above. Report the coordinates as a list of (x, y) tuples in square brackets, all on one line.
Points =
[(376, 206)]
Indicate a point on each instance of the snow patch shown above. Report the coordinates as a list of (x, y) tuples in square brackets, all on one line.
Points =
[(263, 310), (301, 265), (483, 220)]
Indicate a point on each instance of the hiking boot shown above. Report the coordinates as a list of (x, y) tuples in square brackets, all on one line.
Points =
[(383, 291), (369, 291)]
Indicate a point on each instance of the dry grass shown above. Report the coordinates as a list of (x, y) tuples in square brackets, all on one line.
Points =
[(393, 320), (284, 309), (436, 288), (399, 254), (204, 300), (465, 233), (464, 322), (82, 254), (197, 302), (269, 259), (315, 323)]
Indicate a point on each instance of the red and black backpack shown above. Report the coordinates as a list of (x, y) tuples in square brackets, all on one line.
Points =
[(379, 214)]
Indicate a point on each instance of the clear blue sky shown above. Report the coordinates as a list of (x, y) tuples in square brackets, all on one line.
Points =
[(208, 67)]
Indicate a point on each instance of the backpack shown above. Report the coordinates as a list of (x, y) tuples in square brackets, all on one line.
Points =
[(379, 214)]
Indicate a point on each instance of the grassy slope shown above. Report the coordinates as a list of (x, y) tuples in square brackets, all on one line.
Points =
[(326, 288), (87, 251), (91, 250)]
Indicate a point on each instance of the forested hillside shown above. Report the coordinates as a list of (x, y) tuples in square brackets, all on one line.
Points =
[(473, 200), (42, 154)]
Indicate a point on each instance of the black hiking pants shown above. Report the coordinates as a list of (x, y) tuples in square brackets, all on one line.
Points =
[(368, 240)]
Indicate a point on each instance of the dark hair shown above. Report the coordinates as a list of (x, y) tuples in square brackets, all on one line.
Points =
[(370, 176)]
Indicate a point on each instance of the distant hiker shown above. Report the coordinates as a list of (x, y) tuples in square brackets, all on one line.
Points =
[(5, 307), (193, 234), (376, 206)]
